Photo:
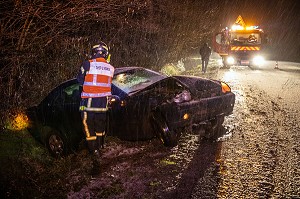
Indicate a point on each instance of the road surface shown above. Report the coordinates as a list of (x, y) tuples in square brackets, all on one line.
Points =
[(282, 83), (260, 158)]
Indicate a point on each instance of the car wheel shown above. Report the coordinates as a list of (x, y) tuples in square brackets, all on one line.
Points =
[(56, 144), (168, 137), (214, 128)]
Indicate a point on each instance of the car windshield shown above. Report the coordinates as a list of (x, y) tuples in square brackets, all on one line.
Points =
[(134, 80)]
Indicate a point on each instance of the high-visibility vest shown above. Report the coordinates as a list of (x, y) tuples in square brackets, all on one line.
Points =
[(97, 81)]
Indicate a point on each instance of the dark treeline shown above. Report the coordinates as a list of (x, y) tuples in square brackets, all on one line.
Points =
[(43, 43)]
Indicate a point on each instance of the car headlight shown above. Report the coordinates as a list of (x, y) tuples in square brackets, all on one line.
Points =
[(225, 88), (258, 60), (230, 60), (184, 96)]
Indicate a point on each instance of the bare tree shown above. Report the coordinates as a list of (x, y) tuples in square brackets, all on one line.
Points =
[(42, 42)]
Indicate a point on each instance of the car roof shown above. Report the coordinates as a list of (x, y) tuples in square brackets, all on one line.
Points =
[(117, 71), (124, 69)]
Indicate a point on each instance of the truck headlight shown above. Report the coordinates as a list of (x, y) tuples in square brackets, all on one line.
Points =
[(258, 60), (230, 60)]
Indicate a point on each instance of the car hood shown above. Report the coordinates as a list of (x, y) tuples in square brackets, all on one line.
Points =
[(201, 87)]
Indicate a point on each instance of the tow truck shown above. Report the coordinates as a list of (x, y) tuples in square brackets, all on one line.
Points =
[(240, 44)]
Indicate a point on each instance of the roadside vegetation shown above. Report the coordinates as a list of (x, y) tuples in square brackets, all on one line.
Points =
[(28, 171), (43, 43)]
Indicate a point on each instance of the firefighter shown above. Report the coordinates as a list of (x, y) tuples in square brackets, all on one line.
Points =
[(205, 52), (95, 76)]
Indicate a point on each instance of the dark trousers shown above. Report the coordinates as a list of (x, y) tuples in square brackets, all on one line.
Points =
[(94, 121), (204, 64)]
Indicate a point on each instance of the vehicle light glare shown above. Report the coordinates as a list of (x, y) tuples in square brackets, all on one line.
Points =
[(186, 116), (258, 60), (237, 27), (18, 122), (123, 103), (230, 60)]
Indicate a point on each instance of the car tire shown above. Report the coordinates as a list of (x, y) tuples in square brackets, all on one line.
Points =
[(56, 144), (214, 128), (168, 137)]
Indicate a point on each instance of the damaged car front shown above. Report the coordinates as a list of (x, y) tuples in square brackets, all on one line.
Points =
[(192, 101), (211, 101)]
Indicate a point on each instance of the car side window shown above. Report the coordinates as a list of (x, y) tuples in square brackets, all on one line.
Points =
[(71, 93)]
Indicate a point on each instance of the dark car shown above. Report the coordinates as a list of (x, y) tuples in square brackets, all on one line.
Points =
[(145, 104)]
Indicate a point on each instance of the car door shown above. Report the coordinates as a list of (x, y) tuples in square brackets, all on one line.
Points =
[(61, 111), (131, 120), (72, 124)]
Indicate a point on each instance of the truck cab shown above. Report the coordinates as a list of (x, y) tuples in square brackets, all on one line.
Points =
[(240, 45)]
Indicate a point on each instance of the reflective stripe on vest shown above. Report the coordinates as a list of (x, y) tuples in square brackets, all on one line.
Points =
[(97, 82), (92, 109), (88, 95)]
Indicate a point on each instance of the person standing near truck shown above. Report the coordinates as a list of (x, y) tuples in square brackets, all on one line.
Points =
[(205, 52)]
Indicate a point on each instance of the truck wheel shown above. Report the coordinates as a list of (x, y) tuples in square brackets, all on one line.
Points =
[(168, 137), (225, 65)]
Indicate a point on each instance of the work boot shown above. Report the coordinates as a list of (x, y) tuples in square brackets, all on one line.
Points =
[(95, 163), (100, 142)]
